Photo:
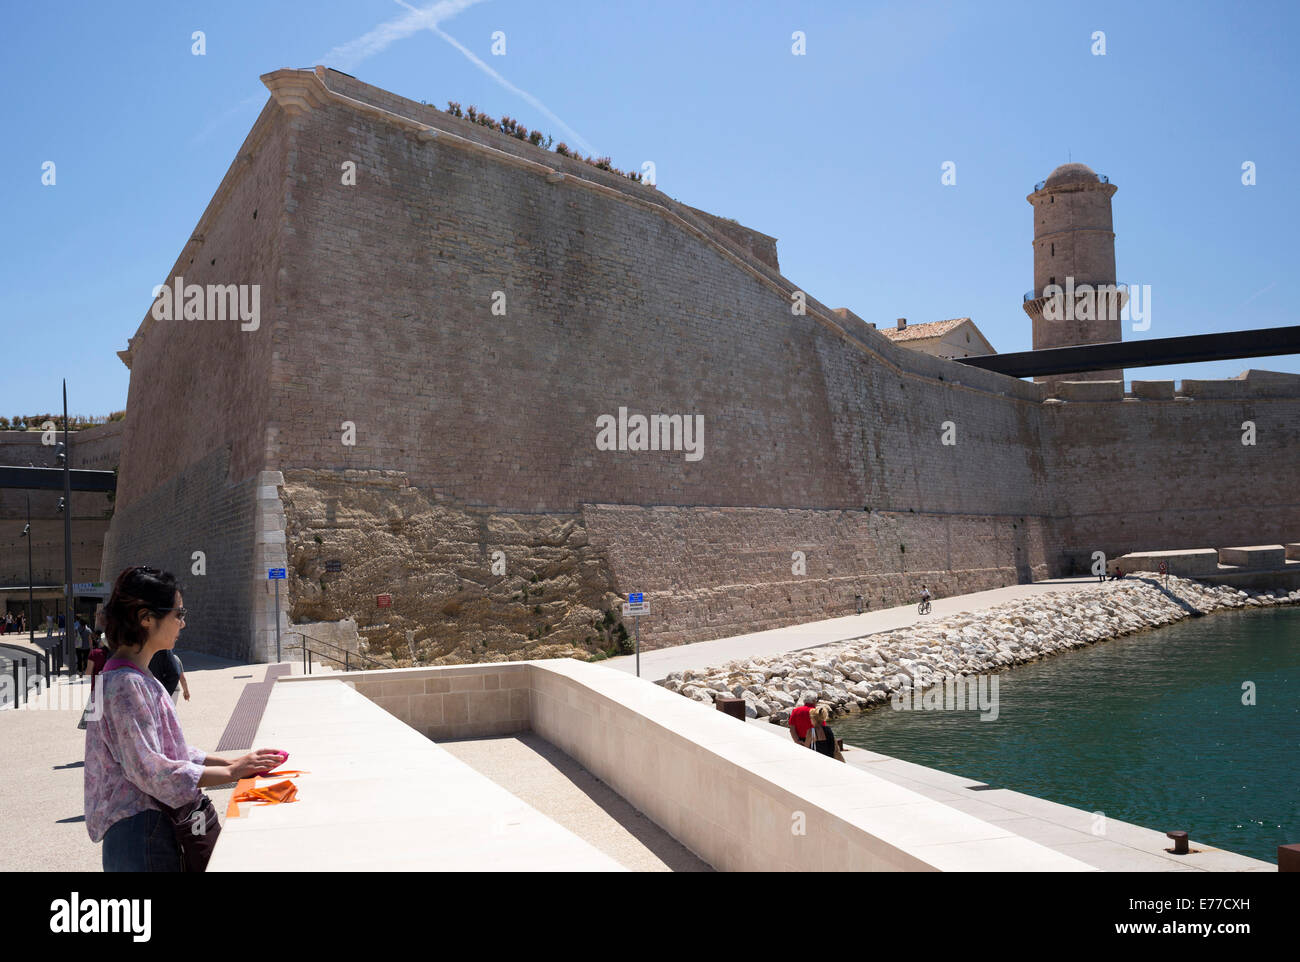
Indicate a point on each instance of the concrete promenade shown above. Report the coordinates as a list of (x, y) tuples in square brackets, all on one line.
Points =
[(1106, 844), (657, 665)]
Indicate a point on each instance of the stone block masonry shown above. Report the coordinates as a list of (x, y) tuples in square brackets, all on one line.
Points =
[(198, 510), (884, 467)]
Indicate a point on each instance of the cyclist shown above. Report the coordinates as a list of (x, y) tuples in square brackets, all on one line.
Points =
[(925, 599)]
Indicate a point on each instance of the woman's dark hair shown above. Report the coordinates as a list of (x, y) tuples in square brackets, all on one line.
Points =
[(139, 588)]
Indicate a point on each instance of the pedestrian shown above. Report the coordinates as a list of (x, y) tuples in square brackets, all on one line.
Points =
[(95, 666), (185, 686), (143, 782), (83, 645), (801, 719), (821, 737), (169, 671)]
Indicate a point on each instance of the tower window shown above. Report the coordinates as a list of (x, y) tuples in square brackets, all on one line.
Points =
[(1053, 250)]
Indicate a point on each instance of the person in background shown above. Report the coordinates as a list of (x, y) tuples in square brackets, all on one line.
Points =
[(185, 686), (801, 719), (95, 666), (83, 644), (821, 737), (169, 671)]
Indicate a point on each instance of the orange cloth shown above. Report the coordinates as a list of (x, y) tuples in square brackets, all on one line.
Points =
[(280, 792)]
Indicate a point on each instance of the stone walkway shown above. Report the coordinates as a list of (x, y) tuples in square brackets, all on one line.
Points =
[(657, 665), (538, 773)]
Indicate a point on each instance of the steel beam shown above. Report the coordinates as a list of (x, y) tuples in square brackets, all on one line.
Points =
[(1153, 352)]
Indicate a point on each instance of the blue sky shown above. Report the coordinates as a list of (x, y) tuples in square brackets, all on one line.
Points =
[(837, 153)]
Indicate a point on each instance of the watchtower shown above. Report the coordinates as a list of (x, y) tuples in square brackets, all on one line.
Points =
[(1074, 248)]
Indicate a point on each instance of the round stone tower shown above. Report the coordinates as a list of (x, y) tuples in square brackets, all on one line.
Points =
[(1074, 300)]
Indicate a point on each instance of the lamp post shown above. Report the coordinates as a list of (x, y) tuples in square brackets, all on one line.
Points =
[(67, 534), (27, 533)]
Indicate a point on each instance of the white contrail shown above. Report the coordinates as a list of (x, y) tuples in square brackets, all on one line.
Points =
[(377, 40), (429, 21), (213, 124), (1258, 292)]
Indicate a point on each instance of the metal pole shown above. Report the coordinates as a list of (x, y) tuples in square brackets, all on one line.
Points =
[(637, 628), (17, 687), (277, 621), (31, 623), (67, 523)]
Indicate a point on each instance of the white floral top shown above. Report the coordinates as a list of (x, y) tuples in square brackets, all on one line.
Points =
[(135, 750)]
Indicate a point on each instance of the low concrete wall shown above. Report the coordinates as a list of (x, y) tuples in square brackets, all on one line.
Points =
[(1194, 563), (1263, 556), (463, 701), (739, 798)]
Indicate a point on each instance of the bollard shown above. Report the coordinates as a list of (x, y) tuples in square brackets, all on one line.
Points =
[(1180, 842), (1288, 858), (14, 665), (735, 707)]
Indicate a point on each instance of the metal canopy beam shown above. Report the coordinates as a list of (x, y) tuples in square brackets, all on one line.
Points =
[(1154, 352), (51, 479)]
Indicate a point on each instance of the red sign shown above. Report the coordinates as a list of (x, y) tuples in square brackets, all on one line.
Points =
[(383, 601)]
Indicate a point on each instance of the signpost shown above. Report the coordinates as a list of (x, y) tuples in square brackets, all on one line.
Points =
[(276, 575), (636, 606)]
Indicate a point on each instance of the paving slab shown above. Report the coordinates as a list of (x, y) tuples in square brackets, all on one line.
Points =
[(537, 772)]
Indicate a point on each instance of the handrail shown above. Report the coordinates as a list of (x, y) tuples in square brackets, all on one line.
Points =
[(348, 655)]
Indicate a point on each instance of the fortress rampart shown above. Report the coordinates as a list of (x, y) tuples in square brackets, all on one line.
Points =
[(476, 431)]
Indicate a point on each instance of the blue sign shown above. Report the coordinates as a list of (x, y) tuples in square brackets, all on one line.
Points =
[(634, 598), (275, 574)]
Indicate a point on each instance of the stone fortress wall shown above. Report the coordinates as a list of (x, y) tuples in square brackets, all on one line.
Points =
[(820, 436)]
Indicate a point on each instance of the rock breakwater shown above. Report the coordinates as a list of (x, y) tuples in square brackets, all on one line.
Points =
[(864, 673)]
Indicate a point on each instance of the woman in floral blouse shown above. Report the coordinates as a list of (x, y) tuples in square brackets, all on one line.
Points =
[(136, 754)]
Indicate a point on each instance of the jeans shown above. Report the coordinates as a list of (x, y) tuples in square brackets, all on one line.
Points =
[(145, 842)]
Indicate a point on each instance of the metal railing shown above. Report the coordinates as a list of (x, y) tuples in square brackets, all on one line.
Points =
[(363, 661), (17, 658), (1097, 288), (1101, 179)]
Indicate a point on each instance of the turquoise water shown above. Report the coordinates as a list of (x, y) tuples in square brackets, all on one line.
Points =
[(1149, 729)]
